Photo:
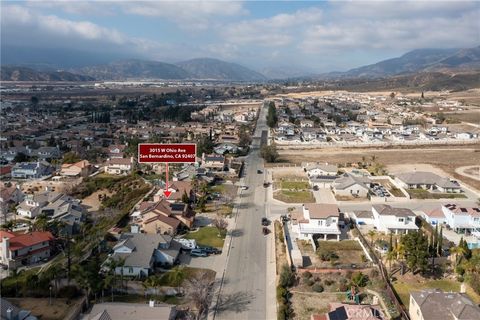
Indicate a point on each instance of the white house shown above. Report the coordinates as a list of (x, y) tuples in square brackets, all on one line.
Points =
[(119, 166), (363, 217), (435, 216), (320, 169), (396, 220), (462, 219), (317, 220), (349, 185)]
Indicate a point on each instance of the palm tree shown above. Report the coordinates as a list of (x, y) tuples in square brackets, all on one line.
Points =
[(176, 276), (41, 223), (83, 281), (372, 234)]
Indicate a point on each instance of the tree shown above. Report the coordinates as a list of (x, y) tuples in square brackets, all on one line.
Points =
[(416, 251), (199, 292), (71, 157), (185, 197), (287, 277), (21, 157), (221, 224), (359, 279), (244, 136), (176, 276), (40, 223), (440, 242), (269, 153), (272, 117), (372, 234)]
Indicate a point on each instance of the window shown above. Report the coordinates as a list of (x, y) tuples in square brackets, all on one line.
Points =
[(130, 270), (400, 219)]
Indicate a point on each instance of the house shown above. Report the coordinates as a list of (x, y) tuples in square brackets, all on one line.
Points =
[(10, 193), (131, 311), (320, 169), (396, 220), (139, 253), (119, 166), (364, 217), (434, 304), (31, 170), (165, 217), (10, 311), (78, 169), (435, 216), (32, 205), (115, 151), (462, 219), (5, 171), (427, 181), (213, 162), (316, 220), (349, 185), (178, 189), (343, 311), (24, 249)]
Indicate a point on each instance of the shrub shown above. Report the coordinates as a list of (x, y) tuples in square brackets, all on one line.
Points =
[(329, 282), (69, 292), (359, 279), (307, 274), (349, 274), (342, 287), (327, 255), (287, 277), (317, 287)]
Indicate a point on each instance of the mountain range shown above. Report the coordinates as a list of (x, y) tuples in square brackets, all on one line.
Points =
[(449, 61)]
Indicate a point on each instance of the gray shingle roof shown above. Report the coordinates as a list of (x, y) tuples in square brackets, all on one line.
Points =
[(422, 177)]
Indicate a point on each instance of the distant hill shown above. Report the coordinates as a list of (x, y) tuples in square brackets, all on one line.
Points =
[(14, 73), (421, 60), (208, 68), (134, 69)]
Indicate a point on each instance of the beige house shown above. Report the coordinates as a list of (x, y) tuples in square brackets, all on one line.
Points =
[(119, 166), (79, 169)]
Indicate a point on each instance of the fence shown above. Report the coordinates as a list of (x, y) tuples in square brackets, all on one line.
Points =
[(383, 271)]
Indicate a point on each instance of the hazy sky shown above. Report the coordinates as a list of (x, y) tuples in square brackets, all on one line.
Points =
[(321, 36)]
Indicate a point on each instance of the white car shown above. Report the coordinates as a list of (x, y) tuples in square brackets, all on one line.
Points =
[(187, 244), (244, 187)]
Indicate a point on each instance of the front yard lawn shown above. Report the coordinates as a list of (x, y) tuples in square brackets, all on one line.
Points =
[(294, 196), (207, 236), (424, 194), (298, 185)]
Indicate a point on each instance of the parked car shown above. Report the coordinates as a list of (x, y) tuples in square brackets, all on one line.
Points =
[(266, 184), (187, 244), (259, 171), (210, 250), (265, 231), (284, 218), (265, 221), (198, 253), (244, 187)]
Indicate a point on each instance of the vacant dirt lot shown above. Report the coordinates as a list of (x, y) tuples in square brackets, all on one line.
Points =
[(40, 307), (446, 158)]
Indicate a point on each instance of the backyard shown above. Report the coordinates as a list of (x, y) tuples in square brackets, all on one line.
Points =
[(207, 236), (332, 254), (40, 307)]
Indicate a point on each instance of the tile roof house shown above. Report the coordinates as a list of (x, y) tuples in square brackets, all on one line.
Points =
[(140, 252), (428, 181), (23, 249), (320, 169), (315, 220), (78, 169), (435, 216), (165, 217), (213, 162), (342, 311), (131, 311), (434, 304), (178, 188), (397, 220)]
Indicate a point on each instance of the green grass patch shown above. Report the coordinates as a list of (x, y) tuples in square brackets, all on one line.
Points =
[(403, 289), (207, 236), (424, 194), (340, 245), (294, 196), (298, 185)]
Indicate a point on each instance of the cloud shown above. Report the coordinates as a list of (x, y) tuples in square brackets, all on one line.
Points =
[(186, 14), (276, 31)]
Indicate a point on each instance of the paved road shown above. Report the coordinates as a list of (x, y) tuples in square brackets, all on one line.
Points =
[(244, 292)]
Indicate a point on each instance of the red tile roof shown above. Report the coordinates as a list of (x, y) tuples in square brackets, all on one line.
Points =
[(28, 239)]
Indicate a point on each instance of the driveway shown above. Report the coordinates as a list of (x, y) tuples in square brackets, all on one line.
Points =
[(213, 262), (324, 195)]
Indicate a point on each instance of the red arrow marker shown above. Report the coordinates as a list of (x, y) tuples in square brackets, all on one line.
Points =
[(166, 192)]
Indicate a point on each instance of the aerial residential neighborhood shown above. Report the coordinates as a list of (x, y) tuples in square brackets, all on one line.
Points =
[(231, 160)]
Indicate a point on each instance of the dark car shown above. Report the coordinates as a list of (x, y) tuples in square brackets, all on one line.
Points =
[(259, 171), (266, 184), (265, 231), (198, 253), (210, 250), (265, 221)]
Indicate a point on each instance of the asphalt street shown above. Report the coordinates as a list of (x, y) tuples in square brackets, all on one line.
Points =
[(243, 294)]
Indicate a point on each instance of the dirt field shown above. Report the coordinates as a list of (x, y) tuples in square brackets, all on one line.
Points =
[(445, 159), (41, 309), (92, 203), (305, 304)]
